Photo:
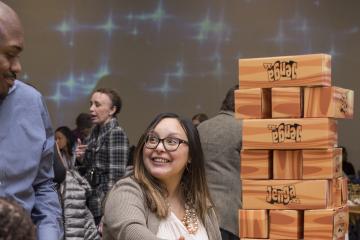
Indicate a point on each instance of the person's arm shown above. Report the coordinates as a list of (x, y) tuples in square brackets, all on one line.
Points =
[(80, 151), (46, 213), (118, 156), (125, 213)]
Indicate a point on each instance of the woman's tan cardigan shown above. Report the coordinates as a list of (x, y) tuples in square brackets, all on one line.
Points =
[(127, 216)]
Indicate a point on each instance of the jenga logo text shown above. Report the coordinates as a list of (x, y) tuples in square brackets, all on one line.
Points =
[(281, 194), (340, 225), (281, 70), (338, 164), (284, 132), (343, 103)]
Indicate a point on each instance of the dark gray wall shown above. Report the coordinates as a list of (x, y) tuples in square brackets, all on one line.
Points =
[(178, 56)]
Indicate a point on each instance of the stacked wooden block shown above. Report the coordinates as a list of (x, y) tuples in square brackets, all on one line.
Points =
[(292, 183)]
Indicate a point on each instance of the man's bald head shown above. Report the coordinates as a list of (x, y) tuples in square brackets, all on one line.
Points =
[(9, 21), (11, 45)]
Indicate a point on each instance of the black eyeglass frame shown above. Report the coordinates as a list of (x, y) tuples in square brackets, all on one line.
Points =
[(162, 141)]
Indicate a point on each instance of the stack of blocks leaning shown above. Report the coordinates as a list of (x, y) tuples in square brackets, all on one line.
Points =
[(292, 181)]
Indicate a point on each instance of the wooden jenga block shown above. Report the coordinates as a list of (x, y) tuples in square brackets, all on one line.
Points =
[(286, 102), (344, 190), (286, 224), (253, 223), (285, 194), (322, 163), (254, 238), (339, 195), (287, 164), (331, 102), (285, 71), (252, 103), (255, 164), (297, 133), (326, 224)]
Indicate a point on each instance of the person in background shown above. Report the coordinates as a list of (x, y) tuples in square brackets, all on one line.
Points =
[(347, 166), (105, 154), (65, 141), (221, 140), (167, 196), (59, 168), (15, 223), (199, 118), (83, 126), (26, 137), (78, 221)]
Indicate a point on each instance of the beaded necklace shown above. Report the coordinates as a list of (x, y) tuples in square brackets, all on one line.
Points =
[(190, 220)]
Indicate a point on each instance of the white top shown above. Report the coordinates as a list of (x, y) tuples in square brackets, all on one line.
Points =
[(172, 228)]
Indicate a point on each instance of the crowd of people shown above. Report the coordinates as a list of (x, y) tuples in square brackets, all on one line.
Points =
[(181, 181)]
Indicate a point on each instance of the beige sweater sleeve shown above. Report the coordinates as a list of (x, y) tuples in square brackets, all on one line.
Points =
[(125, 215)]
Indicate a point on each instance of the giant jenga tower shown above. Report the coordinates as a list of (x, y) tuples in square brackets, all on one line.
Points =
[(291, 172)]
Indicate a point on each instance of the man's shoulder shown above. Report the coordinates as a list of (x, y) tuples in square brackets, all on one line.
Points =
[(217, 119), (27, 90)]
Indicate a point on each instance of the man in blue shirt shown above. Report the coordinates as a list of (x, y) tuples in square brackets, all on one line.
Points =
[(26, 137)]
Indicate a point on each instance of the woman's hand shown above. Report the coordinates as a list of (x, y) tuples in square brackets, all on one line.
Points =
[(182, 238), (80, 150)]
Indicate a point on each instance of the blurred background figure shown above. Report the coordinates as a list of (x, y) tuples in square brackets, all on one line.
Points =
[(83, 126), (347, 166), (15, 223), (221, 141), (65, 141), (198, 118), (104, 155)]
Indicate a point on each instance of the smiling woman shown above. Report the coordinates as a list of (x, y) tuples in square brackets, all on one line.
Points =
[(167, 196)]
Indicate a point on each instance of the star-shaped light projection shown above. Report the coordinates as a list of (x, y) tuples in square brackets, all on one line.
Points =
[(157, 16), (102, 71), (217, 69), (67, 28), (75, 86), (169, 78), (164, 89), (207, 28), (70, 83), (178, 74), (57, 97), (109, 26)]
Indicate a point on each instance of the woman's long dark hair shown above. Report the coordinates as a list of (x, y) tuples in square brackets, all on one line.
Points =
[(193, 179), (70, 139)]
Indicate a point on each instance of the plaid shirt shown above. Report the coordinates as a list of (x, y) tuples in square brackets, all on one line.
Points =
[(106, 155)]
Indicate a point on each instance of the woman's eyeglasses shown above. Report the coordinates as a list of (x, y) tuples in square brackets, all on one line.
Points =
[(170, 143)]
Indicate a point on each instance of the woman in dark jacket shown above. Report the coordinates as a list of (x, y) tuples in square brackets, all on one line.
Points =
[(105, 154)]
